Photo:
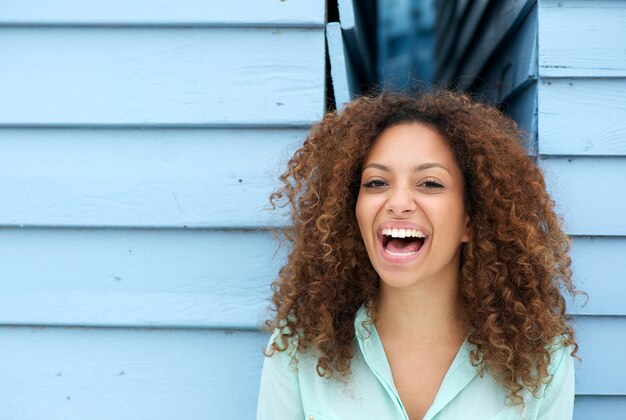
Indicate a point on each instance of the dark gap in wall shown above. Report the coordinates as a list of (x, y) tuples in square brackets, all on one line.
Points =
[(332, 11), (332, 15), (329, 91)]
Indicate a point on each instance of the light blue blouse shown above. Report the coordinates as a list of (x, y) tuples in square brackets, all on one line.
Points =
[(291, 391)]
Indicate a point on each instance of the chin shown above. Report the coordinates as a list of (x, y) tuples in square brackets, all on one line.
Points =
[(398, 279)]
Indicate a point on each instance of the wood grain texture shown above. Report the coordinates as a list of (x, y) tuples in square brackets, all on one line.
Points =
[(137, 278), (161, 76), (598, 266), (142, 178), (582, 38), (582, 117), (97, 374), (590, 193), (163, 12)]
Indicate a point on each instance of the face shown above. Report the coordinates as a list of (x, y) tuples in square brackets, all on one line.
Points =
[(410, 207)]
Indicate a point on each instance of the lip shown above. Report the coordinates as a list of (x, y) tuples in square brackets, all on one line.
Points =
[(399, 259)]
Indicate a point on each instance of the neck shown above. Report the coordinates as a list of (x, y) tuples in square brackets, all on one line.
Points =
[(427, 314)]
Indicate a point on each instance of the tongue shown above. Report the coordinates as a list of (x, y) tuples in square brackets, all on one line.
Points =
[(403, 246)]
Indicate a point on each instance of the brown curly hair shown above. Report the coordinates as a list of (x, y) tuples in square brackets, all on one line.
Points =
[(512, 271)]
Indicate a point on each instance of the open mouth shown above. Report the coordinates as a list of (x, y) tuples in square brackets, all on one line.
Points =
[(402, 242)]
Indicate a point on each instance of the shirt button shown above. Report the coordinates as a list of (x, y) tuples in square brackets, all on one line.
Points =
[(311, 418)]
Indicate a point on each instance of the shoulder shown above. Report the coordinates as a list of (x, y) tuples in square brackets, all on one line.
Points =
[(282, 345), (561, 359), (557, 397), (279, 393)]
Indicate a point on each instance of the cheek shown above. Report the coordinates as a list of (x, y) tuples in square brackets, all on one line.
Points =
[(361, 217), (365, 213)]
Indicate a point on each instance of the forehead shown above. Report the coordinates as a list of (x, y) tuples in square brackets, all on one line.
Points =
[(411, 143)]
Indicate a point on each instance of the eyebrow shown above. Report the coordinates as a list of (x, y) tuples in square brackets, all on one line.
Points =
[(418, 168)]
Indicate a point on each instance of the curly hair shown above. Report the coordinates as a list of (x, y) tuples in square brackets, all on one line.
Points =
[(512, 271)]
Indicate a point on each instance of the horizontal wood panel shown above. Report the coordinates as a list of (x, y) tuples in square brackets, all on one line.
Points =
[(73, 372), (194, 278), (68, 373), (142, 178), (161, 76), (602, 281), (515, 63), (137, 12), (138, 278), (602, 369), (582, 117), (590, 193), (582, 38), (594, 407)]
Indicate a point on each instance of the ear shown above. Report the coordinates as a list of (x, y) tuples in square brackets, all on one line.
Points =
[(466, 232)]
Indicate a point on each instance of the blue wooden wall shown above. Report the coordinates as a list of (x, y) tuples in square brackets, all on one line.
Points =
[(581, 102), (139, 142), (559, 68)]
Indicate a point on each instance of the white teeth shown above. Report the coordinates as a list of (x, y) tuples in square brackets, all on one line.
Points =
[(403, 233)]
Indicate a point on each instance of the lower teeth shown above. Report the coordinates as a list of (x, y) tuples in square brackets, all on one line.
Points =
[(401, 254)]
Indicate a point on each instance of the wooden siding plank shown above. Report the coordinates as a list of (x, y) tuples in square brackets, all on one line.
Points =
[(161, 76), (142, 178), (73, 372), (357, 40), (170, 278), (602, 369), (137, 278), (446, 32), (68, 373), (446, 69), (603, 282), (164, 12), (594, 407), (341, 67), (582, 38), (582, 117), (523, 109), (468, 26), (590, 193), (444, 19), (456, 27), (502, 18), (515, 64)]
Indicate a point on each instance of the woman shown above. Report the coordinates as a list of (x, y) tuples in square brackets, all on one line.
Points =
[(425, 272)]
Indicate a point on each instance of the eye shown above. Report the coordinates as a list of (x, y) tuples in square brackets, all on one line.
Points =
[(374, 183), (432, 184)]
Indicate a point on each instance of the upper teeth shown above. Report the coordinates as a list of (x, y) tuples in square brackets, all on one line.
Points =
[(403, 233)]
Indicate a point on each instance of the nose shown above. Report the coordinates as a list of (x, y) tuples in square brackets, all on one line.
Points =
[(401, 201)]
